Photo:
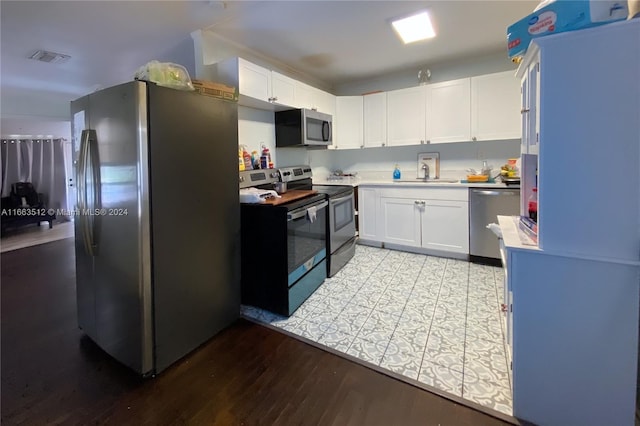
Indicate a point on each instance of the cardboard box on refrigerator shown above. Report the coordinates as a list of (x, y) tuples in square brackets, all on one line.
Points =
[(560, 16), (217, 90)]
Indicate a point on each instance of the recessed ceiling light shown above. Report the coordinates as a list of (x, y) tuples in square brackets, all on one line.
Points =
[(414, 28), (49, 57)]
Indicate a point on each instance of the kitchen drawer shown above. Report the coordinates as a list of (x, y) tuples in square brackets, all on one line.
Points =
[(424, 193)]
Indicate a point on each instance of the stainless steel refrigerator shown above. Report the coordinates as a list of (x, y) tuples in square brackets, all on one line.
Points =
[(157, 222)]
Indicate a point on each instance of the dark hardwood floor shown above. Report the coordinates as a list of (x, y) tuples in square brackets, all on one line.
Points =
[(246, 375)]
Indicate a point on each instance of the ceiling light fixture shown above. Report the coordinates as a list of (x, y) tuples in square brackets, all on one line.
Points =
[(49, 57), (414, 28)]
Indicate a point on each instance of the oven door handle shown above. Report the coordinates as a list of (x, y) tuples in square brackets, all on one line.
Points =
[(301, 212), (340, 199)]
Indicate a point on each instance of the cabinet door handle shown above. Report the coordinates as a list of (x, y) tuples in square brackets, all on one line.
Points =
[(474, 138), (523, 110), (416, 202), (421, 141)]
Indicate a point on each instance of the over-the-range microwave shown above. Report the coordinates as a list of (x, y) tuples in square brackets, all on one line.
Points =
[(303, 127)]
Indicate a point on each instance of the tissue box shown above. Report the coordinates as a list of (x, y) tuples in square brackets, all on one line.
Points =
[(561, 16)]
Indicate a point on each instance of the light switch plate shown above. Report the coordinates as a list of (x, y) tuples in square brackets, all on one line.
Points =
[(432, 159)]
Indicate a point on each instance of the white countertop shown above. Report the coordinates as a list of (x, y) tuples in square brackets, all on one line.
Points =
[(512, 236), (385, 178), (379, 181)]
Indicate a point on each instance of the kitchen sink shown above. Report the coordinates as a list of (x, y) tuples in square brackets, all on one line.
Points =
[(432, 180)]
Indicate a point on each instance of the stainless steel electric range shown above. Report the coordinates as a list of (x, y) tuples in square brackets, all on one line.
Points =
[(341, 224), (284, 245)]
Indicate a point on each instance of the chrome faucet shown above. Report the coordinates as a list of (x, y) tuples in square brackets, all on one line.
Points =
[(425, 167)]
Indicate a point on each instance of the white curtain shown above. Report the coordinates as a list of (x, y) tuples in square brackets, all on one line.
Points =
[(39, 161)]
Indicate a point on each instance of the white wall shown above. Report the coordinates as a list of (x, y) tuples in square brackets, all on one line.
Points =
[(35, 126), (455, 158)]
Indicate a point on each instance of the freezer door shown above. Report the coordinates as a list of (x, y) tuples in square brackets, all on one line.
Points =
[(195, 219), (112, 224), (85, 284)]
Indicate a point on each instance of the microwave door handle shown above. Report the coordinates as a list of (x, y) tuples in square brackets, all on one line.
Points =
[(326, 131)]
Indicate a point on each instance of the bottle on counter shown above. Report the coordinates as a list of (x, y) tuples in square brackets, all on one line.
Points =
[(533, 205), (265, 158), (255, 159), (246, 157), (396, 173), (240, 160)]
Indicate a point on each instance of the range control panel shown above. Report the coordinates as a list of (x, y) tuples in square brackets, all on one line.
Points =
[(250, 178), (288, 174)]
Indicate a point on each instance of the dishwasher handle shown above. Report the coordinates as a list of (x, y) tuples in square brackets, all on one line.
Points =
[(488, 192)]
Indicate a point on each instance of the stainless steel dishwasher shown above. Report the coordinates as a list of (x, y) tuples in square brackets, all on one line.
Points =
[(485, 204)]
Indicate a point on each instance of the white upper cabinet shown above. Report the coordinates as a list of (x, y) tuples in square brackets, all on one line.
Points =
[(449, 111), (325, 102), (406, 116), (262, 88), (375, 119), (347, 123), (311, 98), (283, 89), (304, 95), (254, 80), (495, 106)]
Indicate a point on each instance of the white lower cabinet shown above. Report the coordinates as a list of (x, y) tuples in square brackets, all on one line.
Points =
[(401, 219), (445, 225), (368, 206), (432, 219)]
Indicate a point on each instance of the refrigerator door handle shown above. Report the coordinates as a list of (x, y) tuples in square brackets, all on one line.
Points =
[(96, 201), (82, 189)]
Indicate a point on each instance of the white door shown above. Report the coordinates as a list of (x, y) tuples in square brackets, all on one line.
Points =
[(368, 214), (324, 101), (304, 95), (449, 111), (445, 226), (254, 80), (406, 116), (283, 89), (375, 119), (347, 123), (495, 106), (401, 221)]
